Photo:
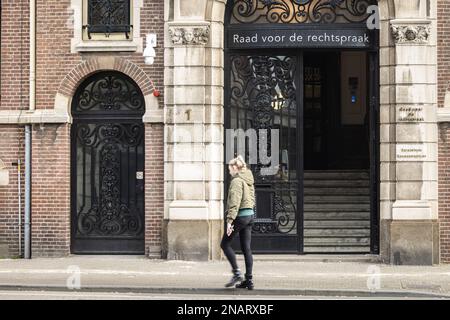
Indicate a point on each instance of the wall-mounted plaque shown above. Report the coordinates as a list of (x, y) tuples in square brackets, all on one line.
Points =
[(410, 114), (4, 174), (411, 152)]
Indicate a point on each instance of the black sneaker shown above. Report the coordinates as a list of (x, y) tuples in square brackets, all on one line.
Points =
[(246, 284), (237, 277)]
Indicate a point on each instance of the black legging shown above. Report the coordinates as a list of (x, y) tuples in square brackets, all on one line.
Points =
[(243, 226)]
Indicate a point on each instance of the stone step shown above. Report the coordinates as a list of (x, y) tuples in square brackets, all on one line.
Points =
[(336, 215), (359, 258), (336, 224), (335, 183), (336, 191), (336, 199), (337, 241), (336, 175), (336, 249), (363, 232), (336, 211), (336, 207)]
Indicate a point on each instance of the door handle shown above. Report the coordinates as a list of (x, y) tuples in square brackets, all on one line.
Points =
[(140, 181)]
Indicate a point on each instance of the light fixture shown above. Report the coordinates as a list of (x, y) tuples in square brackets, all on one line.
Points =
[(149, 52), (4, 174)]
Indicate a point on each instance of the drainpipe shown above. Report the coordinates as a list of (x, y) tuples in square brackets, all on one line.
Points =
[(19, 186), (32, 55), (27, 235), (32, 107)]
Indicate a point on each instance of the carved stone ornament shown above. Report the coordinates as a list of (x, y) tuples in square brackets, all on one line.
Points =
[(189, 35), (411, 33)]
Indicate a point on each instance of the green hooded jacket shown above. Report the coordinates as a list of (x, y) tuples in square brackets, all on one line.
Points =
[(241, 194)]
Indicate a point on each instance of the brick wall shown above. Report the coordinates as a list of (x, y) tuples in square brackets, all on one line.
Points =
[(51, 144), (53, 46), (14, 54), (11, 149), (444, 192), (51, 190), (154, 188), (443, 7), (54, 57)]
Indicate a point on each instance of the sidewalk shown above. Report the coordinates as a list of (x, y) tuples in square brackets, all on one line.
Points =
[(288, 276)]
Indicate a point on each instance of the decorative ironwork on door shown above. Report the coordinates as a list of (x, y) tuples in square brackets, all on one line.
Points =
[(108, 93), (300, 11), (272, 85), (263, 97), (107, 157)]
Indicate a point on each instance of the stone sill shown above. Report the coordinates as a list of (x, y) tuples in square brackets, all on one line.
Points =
[(411, 21), (30, 117), (106, 46), (153, 118), (443, 114), (58, 116), (412, 210), (4, 177)]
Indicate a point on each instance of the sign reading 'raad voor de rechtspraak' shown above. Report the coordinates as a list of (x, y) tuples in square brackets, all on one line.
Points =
[(299, 38)]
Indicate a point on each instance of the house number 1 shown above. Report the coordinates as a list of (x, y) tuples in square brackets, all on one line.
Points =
[(188, 114)]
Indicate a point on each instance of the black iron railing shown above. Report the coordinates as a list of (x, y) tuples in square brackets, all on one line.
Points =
[(108, 16)]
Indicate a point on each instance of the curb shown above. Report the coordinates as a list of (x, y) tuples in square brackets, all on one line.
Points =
[(233, 292)]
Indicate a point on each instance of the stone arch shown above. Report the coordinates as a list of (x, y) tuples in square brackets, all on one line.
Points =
[(215, 9), (86, 68)]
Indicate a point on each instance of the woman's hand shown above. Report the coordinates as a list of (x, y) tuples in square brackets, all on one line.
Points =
[(230, 229)]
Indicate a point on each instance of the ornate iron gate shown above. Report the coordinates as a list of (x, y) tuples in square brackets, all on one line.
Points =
[(264, 90), (263, 98), (108, 166)]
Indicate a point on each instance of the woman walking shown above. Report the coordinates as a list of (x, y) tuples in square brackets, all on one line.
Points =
[(240, 216)]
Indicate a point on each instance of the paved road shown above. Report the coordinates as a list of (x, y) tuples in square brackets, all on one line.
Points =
[(150, 278), (46, 295)]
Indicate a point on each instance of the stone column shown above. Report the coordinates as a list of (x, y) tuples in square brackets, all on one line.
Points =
[(193, 131), (409, 135)]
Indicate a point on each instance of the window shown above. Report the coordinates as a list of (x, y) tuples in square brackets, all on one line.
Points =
[(109, 19), (106, 26)]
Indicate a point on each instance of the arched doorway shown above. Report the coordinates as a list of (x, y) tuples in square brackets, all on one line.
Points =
[(107, 159), (307, 70)]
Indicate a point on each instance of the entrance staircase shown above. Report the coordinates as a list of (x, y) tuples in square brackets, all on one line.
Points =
[(337, 211)]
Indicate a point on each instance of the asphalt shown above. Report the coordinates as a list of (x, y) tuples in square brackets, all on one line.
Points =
[(287, 276)]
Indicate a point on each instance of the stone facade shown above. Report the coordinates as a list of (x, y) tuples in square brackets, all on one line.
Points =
[(194, 129), (408, 68), (408, 179)]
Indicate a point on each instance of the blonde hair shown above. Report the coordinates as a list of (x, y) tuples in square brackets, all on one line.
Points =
[(239, 162)]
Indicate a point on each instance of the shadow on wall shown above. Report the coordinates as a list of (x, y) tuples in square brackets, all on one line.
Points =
[(3, 250), (49, 132)]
